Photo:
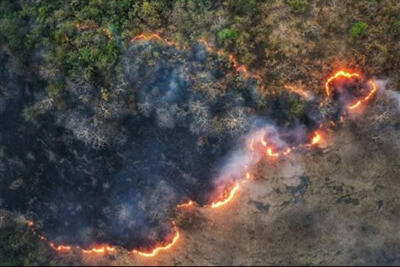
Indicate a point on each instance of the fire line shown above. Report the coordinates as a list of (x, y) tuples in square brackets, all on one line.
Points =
[(253, 146), (340, 73)]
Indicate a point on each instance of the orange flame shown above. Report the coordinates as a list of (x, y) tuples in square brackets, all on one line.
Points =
[(227, 197), (79, 26), (234, 62), (287, 151), (155, 251), (153, 36), (340, 73), (206, 45), (316, 139), (263, 142), (270, 153), (146, 37), (249, 177), (371, 93), (99, 250), (228, 194), (304, 94), (60, 248), (188, 204)]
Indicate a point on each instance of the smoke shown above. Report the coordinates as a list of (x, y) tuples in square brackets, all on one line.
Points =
[(114, 164), (389, 93)]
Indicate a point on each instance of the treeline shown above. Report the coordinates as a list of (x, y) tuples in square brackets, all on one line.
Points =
[(285, 41)]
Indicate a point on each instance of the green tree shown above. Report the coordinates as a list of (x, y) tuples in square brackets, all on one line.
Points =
[(358, 29), (227, 34), (299, 6)]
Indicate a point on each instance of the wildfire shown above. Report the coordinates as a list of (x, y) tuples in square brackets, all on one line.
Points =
[(242, 68), (234, 62), (153, 36), (316, 139), (185, 205), (263, 142), (155, 251), (249, 177), (99, 250), (272, 154), (340, 73), (144, 37), (256, 143), (79, 26), (206, 45), (107, 33), (227, 197), (304, 94), (60, 248), (287, 151), (371, 93)]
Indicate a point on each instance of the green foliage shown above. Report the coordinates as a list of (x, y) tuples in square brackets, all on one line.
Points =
[(42, 13), (19, 247), (105, 94), (358, 29), (53, 89), (243, 6), (298, 6), (395, 28), (227, 34), (296, 108)]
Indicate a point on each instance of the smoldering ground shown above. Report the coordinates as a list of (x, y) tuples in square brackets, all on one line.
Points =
[(111, 166)]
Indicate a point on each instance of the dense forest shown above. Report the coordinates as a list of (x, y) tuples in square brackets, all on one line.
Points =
[(286, 41), (77, 71)]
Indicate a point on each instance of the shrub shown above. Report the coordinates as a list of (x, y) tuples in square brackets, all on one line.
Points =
[(358, 29), (227, 34), (299, 6), (105, 95), (395, 28)]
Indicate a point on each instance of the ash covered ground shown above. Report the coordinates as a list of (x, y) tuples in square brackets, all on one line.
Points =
[(111, 171)]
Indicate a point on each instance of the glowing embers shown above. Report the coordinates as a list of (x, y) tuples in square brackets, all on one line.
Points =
[(337, 76), (249, 176), (186, 205), (271, 153), (316, 138), (60, 248), (372, 92), (227, 196), (232, 58), (350, 77), (99, 250), (258, 144), (153, 36), (161, 247), (302, 93), (234, 62)]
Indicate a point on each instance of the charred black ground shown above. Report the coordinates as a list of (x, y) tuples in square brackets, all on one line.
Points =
[(112, 165)]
